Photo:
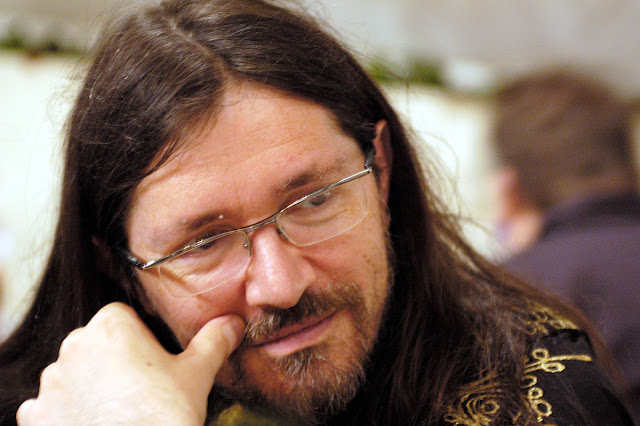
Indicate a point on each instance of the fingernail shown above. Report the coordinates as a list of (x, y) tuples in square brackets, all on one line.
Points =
[(234, 330)]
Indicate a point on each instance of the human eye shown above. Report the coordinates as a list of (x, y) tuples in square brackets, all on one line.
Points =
[(209, 253), (323, 199), (205, 245), (318, 208), (317, 200)]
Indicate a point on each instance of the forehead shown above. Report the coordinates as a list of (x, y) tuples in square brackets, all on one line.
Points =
[(260, 139)]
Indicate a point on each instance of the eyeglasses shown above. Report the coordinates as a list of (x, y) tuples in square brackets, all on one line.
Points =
[(215, 260)]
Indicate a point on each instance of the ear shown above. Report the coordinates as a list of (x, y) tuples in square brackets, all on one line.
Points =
[(519, 221), (383, 158), (511, 199), (103, 256)]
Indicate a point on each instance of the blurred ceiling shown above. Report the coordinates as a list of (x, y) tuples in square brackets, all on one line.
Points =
[(478, 42)]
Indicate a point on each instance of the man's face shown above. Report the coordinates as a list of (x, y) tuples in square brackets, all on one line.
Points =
[(313, 312)]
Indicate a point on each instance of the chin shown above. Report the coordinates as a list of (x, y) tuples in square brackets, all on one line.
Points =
[(308, 385)]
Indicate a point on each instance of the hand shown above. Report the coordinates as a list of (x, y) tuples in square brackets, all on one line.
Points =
[(114, 371)]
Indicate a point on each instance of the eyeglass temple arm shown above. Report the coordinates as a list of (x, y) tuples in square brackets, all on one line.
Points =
[(369, 154), (134, 261)]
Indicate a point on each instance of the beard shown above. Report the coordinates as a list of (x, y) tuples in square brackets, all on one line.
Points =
[(314, 382)]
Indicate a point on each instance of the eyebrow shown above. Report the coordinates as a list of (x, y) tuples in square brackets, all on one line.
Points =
[(167, 238), (311, 175), (191, 225)]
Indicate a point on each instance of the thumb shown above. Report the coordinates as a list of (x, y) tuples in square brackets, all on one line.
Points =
[(211, 346)]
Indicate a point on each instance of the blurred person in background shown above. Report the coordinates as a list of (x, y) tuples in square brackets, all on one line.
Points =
[(569, 209), (246, 231)]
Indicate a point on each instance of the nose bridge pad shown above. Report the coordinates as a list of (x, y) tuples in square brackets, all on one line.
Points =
[(247, 243), (279, 234), (279, 229), (278, 275)]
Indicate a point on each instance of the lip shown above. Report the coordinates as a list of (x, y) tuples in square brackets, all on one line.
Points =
[(296, 337)]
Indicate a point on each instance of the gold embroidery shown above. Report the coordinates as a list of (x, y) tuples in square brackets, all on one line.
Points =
[(542, 360), (550, 364), (540, 319), (477, 403), (241, 415)]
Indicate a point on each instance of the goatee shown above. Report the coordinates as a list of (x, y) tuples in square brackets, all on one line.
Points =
[(312, 383)]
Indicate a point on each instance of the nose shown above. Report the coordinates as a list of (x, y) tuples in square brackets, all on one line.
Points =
[(278, 275)]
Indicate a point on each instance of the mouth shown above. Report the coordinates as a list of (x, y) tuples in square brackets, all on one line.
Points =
[(296, 337)]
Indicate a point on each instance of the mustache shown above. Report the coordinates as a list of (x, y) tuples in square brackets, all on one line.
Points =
[(310, 305)]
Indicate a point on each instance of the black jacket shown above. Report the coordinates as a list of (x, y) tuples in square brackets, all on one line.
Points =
[(589, 254)]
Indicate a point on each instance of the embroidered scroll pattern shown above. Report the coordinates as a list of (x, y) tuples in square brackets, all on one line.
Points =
[(541, 319), (542, 360), (478, 402)]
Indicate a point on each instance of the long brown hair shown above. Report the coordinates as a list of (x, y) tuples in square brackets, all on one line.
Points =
[(151, 80)]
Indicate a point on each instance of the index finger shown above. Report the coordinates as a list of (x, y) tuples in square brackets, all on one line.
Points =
[(212, 345)]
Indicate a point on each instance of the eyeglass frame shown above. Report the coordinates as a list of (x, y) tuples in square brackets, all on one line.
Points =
[(137, 263)]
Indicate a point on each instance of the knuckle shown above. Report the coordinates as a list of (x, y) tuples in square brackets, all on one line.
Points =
[(71, 343), (115, 310), (116, 325), (113, 318), (28, 412), (51, 376)]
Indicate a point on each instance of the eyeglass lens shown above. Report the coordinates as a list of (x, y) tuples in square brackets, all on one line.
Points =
[(309, 221)]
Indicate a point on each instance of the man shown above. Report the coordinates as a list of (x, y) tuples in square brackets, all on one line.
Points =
[(246, 236), (570, 204)]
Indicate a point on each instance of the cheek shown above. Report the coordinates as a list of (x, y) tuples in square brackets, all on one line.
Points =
[(375, 260), (184, 315), (184, 319), (359, 257)]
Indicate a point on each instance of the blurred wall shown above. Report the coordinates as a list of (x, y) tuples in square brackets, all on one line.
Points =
[(35, 98)]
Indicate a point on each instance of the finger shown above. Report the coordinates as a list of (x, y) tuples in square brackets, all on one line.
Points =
[(24, 411), (114, 316), (120, 324), (212, 345), (70, 343)]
